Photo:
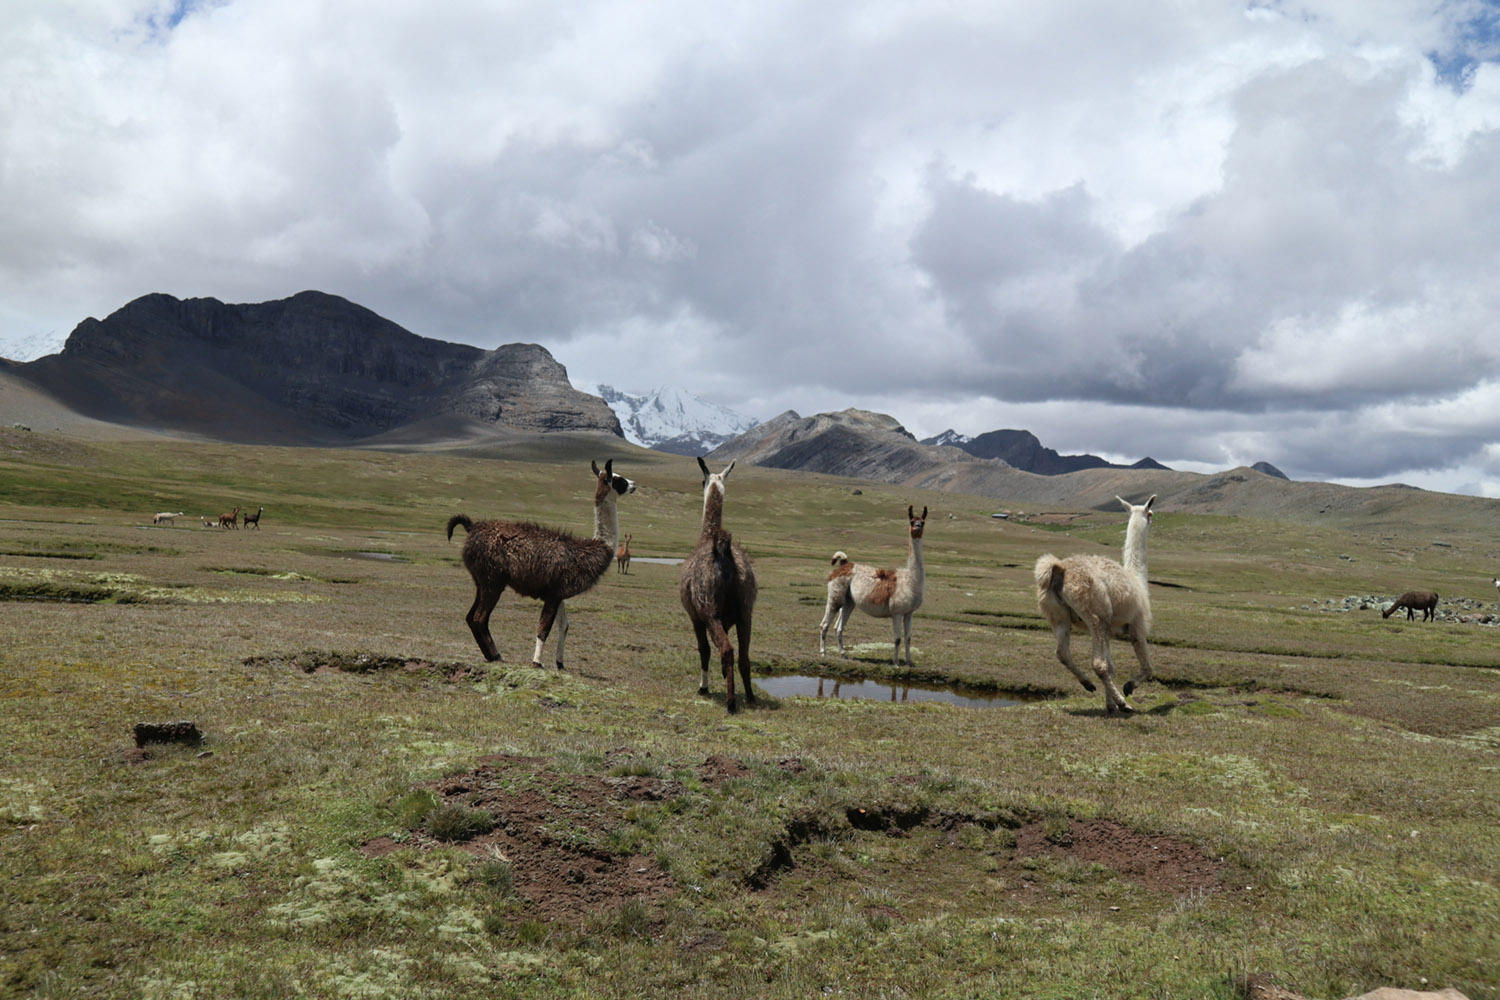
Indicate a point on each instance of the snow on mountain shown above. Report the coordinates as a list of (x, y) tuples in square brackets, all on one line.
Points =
[(36, 345), (949, 437), (673, 420)]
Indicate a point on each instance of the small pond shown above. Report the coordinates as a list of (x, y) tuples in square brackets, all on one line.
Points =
[(657, 560), (802, 686), (380, 556)]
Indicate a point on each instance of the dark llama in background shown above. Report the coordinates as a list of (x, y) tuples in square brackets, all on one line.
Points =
[(1424, 601), (539, 562), (253, 520), (717, 587), (1106, 597)]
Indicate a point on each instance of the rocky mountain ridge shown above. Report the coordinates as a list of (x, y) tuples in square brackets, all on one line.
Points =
[(310, 369), (1022, 450)]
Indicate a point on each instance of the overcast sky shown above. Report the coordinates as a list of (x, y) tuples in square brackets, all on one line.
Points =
[(1209, 232)]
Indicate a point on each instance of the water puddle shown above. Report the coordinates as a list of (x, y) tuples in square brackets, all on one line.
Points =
[(802, 686), (656, 560), (382, 556)]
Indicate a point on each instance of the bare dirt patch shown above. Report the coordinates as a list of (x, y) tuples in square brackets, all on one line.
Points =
[(1157, 862), (552, 828), (320, 662)]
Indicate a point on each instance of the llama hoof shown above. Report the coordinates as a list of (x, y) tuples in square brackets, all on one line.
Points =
[(560, 665), (537, 665), (733, 707), (703, 689), (1129, 686), (1089, 687)]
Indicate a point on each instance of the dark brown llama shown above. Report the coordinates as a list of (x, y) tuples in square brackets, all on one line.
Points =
[(539, 562), (1424, 601), (230, 520), (717, 587), (622, 555), (253, 520)]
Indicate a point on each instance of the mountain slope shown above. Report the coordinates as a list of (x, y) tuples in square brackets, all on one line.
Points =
[(314, 368), (1023, 450)]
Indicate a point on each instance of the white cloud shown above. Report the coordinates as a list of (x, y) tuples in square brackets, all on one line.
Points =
[(1234, 233)]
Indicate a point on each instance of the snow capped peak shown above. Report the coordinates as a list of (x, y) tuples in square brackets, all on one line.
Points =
[(37, 345), (949, 437), (673, 419)]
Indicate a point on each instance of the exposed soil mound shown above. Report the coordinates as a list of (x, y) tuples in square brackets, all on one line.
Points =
[(319, 662), (1157, 862)]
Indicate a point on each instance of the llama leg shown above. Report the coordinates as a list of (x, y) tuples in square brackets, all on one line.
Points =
[(896, 642), (1063, 634), (1104, 667), (906, 627), (1138, 642), (742, 630), (562, 631), (701, 631), (721, 642), (829, 613), (544, 629), (479, 620), (844, 613)]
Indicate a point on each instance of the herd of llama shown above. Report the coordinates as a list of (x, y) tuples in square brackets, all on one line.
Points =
[(717, 588)]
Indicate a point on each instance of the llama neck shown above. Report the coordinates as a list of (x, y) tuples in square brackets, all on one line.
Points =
[(713, 510), (1135, 545), (607, 520)]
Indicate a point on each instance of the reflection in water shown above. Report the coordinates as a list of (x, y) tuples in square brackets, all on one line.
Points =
[(838, 687)]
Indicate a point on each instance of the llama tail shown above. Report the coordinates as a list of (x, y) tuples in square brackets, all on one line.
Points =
[(1049, 576), (840, 558), (456, 520)]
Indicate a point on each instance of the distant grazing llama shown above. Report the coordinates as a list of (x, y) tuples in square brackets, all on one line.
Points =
[(884, 593), (539, 562), (717, 587), (165, 517), (1107, 598), (622, 556), (1424, 601), (230, 520), (253, 520)]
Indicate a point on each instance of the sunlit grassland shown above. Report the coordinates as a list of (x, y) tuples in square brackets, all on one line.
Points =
[(1344, 767)]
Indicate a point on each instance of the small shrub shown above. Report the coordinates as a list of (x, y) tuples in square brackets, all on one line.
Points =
[(452, 823), (413, 808), (496, 876)]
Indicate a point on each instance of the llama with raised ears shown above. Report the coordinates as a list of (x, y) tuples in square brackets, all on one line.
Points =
[(539, 562), (718, 591), (882, 593), (1106, 597), (622, 555)]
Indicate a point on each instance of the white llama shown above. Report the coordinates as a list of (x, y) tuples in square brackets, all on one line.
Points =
[(882, 593), (1106, 598)]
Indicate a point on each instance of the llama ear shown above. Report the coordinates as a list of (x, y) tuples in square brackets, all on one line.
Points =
[(911, 515), (704, 466), (1123, 502), (594, 464), (726, 472), (609, 469), (1150, 500), (924, 512)]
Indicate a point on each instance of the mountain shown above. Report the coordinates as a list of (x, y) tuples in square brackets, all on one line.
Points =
[(1023, 450), (1269, 470), (673, 420), (310, 369), (875, 446)]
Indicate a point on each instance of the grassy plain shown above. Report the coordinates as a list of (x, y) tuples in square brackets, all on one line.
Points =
[(1337, 775)]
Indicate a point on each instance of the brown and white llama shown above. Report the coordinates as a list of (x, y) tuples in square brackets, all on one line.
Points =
[(165, 517), (1106, 597), (230, 520), (622, 556), (1424, 601), (883, 593), (717, 588), (539, 562), (253, 520)]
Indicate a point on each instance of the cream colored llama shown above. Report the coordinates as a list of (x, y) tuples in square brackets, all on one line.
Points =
[(1107, 598), (882, 593)]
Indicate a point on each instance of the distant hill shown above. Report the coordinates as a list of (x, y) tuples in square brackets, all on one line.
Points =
[(1023, 450), (673, 420), (310, 369), (875, 446)]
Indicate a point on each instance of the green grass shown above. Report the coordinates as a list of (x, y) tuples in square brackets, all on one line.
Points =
[(1344, 767)]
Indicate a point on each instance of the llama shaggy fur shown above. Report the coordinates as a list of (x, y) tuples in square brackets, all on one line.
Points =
[(718, 591), (882, 593), (1106, 597), (1424, 601), (539, 562), (165, 517)]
